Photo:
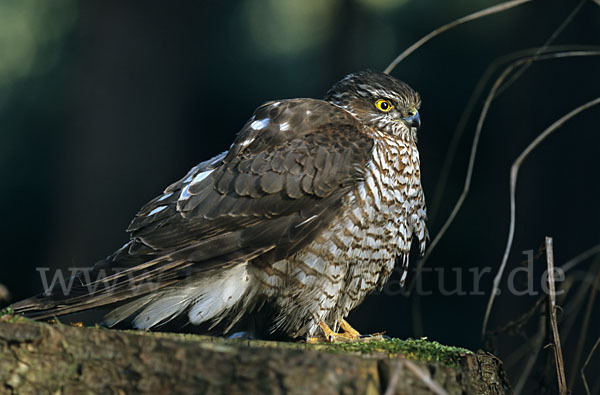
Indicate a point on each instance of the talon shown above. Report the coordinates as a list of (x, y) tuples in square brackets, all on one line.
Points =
[(348, 330), (348, 335)]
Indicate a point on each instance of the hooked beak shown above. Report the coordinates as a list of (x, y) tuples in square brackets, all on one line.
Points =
[(414, 121)]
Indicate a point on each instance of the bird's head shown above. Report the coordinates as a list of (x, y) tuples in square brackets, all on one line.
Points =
[(380, 101)]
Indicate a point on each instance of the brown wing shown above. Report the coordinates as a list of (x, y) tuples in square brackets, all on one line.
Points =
[(281, 183)]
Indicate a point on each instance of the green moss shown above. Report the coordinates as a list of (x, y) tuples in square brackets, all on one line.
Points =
[(417, 349), (6, 311)]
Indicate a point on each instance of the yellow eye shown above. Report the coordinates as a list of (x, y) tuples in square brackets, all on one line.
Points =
[(384, 105)]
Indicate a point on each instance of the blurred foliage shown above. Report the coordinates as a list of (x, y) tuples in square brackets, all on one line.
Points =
[(290, 27), (31, 38), (382, 6)]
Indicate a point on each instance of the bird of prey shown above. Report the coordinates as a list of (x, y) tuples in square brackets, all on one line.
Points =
[(306, 214)]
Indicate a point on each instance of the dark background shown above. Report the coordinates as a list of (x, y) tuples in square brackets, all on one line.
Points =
[(105, 103)]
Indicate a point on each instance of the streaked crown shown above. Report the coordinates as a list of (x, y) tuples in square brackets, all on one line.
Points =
[(379, 101)]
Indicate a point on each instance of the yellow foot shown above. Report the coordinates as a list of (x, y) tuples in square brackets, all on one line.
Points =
[(349, 335), (348, 330)]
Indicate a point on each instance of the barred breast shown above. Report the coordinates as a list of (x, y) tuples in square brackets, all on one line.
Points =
[(355, 255)]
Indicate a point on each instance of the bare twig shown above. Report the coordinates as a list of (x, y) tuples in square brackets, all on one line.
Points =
[(466, 115), (433, 207), (576, 302), (549, 41), (514, 171), (479, 14), (425, 378), (587, 360), (558, 357), (584, 329), (517, 325), (391, 388), (534, 350), (473, 155), (417, 371), (581, 257)]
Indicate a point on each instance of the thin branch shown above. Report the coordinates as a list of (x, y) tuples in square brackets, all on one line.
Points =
[(466, 115), (473, 155), (391, 388), (517, 325), (558, 357), (585, 364), (549, 41), (536, 346), (584, 328), (576, 302), (425, 378), (479, 14), (417, 371), (514, 171), (581, 257), (433, 207)]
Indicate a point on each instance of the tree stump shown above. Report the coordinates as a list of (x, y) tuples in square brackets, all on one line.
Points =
[(38, 357)]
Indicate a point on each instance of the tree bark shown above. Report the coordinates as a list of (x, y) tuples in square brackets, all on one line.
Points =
[(38, 357)]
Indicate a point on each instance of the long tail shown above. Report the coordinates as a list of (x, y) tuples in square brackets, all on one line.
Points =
[(209, 296), (100, 286)]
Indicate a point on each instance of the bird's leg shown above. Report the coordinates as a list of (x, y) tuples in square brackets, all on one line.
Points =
[(348, 330), (328, 335), (349, 335)]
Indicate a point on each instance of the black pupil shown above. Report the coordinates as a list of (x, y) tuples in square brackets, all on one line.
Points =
[(384, 105)]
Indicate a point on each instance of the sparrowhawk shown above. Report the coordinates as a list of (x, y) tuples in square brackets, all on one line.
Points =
[(305, 214)]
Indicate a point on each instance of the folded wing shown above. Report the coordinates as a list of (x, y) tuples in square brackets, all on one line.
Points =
[(281, 183)]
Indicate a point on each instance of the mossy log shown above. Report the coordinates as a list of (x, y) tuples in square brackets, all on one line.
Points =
[(39, 357)]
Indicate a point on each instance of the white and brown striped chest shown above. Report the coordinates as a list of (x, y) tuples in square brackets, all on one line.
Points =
[(384, 212), (357, 253)]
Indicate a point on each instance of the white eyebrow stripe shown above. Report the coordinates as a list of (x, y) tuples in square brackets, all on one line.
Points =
[(383, 93)]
